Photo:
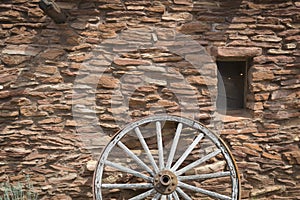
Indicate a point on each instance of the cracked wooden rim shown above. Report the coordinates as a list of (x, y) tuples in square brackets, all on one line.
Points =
[(146, 160)]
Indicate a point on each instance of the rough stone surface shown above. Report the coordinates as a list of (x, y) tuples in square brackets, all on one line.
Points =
[(243, 52), (46, 68)]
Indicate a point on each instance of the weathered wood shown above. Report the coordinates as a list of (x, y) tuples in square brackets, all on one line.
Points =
[(53, 11)]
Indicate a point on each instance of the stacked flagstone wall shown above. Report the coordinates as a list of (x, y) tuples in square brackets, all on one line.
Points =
[(50, 90)]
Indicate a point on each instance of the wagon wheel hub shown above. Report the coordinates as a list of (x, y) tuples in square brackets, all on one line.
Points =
[(165, 182)]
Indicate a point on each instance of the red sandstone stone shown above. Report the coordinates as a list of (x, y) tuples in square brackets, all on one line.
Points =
[(274, 59), (11, 60), (262, 75), (271, 156), (194, 27), (238, 52), (183, 2), (183, 16), (255, 147), (127, 61), (266, 38)]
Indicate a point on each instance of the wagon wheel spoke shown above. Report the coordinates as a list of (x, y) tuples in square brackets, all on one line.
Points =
[(143, 195), (203, 191), (157, 196), (128, 186), (160, 146), (204, 176), (198, 162), (175, 195), (183, 194), (187, 152), (166, 158), (174, 145), (146, 148), (128, 170), (134, 157)]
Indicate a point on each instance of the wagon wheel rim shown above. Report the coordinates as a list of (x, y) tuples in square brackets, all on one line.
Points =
[(161, 175)]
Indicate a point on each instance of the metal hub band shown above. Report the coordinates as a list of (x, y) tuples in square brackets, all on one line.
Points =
[(165, 182)]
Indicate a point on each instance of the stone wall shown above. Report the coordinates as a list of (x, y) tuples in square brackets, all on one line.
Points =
[(47, 68)]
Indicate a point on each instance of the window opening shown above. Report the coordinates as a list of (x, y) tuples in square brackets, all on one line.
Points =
[(231, 96)]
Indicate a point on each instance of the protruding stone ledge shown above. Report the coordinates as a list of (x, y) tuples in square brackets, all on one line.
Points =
[(236, 52)]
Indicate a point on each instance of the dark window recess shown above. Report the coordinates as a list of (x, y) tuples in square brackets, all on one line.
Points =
[(233, 74)]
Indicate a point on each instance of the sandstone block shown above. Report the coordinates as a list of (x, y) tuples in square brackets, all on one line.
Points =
[(60, 196), (294, 38), (194, 27), (279, 52), (21, 39), (267, 189), (8, 113), (112, 26), (52, 79), (137, 103), (290, 46), (128, 61), (167, 59), (255, 106), (270, 27), (237, 52), (261, 96), (47, 69), (155, 81), (52, 53), (156, 8), (108, 82), (253, 146), (77, 57), (150, 19), (91, 165), (293, 157), (238, 37), (183, 16), (215, 36), (11, 60), (17, 150), (119, 14), (243, 20), (53, 120), (183, 2), (31, 111), (266, 38), (267, 44), (152, 68), (112, 6), (262, 75), (285, 94), (68, 177), (8, 77), (274, 59), (147, 88), (247, 151), (52, 108), (289, 32), (238, 26), (199, 80), (21, 50)]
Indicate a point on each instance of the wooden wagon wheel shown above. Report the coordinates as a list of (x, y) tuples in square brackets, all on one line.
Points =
[(166, 157)]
